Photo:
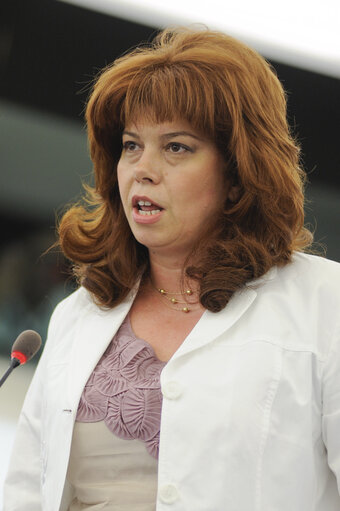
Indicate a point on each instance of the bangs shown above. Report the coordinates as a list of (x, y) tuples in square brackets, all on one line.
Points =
[(169, 94)]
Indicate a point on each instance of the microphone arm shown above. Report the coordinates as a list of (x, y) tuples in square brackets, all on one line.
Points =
[(14, 363)]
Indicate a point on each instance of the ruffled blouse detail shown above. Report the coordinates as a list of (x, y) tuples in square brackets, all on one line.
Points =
[(124, 390)]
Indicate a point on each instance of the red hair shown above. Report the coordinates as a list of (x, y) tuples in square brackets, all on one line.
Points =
[(230, 93)]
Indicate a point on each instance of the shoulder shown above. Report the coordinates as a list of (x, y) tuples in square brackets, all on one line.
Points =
[(306, 294), (316, 263), (68, 312), (73, 303), (76, 300), (296, 306), (311, 273), (304, 274)]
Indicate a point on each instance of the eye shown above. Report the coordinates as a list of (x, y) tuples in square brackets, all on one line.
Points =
[(177, 148), (130, 146)]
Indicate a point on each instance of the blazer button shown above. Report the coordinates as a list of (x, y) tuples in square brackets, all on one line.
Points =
[(172, 390), (168, 493)]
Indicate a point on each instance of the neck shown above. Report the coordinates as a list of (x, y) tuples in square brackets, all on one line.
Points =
[(166, 280), (167, 274)]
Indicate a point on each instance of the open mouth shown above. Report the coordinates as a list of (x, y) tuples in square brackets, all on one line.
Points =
[(145, 207)]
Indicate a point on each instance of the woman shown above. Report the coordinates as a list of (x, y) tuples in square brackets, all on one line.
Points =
[(197, 365)]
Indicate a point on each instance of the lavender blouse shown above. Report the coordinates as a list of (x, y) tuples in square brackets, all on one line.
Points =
[(124, 390)]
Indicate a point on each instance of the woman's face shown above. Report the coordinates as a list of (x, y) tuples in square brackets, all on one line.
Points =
[(171, 184)]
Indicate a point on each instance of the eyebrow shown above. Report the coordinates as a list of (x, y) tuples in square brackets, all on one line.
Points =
[(167, 135)]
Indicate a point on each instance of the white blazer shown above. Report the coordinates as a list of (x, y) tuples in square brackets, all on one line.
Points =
[(251, 400)]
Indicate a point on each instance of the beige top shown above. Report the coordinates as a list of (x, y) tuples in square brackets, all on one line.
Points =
[(109, 473)]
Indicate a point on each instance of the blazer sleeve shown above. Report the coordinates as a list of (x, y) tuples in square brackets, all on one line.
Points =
[(331, 406), (22, 488)]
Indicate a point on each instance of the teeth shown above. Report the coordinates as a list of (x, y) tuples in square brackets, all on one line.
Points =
[(144, 203), (149, 213)]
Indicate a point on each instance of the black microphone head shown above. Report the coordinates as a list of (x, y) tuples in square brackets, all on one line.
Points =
[(27, 343)]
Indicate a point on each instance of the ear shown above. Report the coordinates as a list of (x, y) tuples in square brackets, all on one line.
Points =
[(234, 193)]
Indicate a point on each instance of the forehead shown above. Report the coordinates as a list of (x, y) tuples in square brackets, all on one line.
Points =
[(155, 117), (170, 126)]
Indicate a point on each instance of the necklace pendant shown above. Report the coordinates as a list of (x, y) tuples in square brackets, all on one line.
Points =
[(173, 301)]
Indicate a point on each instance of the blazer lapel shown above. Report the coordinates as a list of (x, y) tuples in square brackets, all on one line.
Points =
[(95, 330), (211, 325)]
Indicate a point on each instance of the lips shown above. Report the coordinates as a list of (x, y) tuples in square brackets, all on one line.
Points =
[(145, 211)]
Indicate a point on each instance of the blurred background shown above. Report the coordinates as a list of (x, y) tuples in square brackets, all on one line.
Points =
[(50, 51)]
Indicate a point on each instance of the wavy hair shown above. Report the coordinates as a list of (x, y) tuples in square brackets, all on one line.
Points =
[(231, 94)]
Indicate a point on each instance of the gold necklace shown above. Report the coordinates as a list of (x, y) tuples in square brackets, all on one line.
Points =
[(174, 300)]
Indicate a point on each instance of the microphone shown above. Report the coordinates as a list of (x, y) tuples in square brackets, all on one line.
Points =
[(24, 348)]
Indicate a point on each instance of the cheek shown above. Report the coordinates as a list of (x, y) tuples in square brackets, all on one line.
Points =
[(216, 188), (122, 182), (208, 194), (119, 171), (209, 182)]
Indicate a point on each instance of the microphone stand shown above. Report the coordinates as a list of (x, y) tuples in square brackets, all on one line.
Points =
[(14, 363)]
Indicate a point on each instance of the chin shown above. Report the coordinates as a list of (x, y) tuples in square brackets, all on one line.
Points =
[(147, 240)]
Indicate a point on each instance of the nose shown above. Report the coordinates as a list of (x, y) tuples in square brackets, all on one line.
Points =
[(147, 169)]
